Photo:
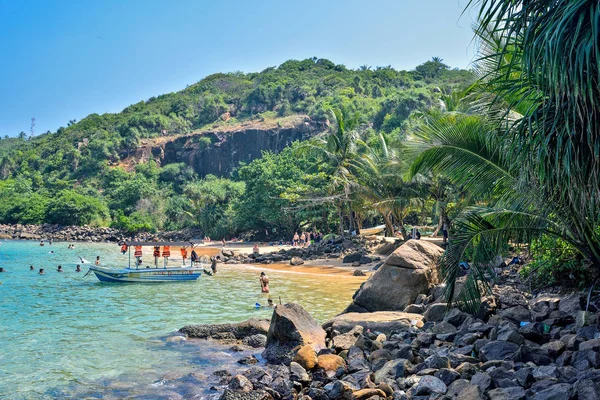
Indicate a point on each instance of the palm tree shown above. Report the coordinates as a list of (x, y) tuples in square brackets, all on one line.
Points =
[(532, 158), (379, 180), (337, 151)]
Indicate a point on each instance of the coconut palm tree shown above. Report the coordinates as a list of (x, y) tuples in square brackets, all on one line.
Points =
[(532, 157), (338, 155)]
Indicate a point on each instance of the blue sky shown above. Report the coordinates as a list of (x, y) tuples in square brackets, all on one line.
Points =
[(63, 60)]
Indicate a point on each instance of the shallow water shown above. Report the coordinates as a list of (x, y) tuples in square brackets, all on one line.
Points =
[(64, 335)]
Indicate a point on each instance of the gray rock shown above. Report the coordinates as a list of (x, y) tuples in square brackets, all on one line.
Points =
[(456, 387), (415, 308), (554, 348), (509, 393), (545, 372), (435, 312), (447, 375), (296, 261), (443, 328), (241, 383), (297, 373), (516, 314), (587, 389), (350, 258), (570, 304), (482, 380), (455, 317), (392, 369), (561, 391), (499, 350), (255, 341), (437, 362), (470, 392), (230, 394), (347, 340), (431, 385)]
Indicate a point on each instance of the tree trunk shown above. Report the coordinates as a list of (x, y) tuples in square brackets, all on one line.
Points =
[(443, 217), (341, 215), (389, 227)]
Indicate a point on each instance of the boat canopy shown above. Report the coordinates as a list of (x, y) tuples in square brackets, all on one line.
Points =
[(174, 244)]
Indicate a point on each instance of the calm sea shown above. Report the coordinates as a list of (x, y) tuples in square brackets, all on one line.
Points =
[(66, 336)]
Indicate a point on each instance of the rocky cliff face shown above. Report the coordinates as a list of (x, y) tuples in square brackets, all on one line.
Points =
[(220, 152)]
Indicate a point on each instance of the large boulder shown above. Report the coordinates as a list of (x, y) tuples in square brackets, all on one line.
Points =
[(409, 271), (239, 331), (380, 321), (291, 326)]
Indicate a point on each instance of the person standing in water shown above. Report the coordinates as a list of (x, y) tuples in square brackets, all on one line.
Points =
[(97, 260), (213, 264), (78, 268), (264, 282)]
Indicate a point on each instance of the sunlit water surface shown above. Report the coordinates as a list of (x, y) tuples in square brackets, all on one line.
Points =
[(66, 336)]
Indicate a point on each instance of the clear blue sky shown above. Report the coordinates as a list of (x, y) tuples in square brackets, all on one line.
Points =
[(65, 59)]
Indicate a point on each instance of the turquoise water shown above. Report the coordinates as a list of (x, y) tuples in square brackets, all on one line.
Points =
[(64, 335)]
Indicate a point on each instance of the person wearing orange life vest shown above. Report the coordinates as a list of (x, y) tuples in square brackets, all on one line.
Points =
[(124, 248), (138, 255), (156, 254), (184, 254), (166, 253)]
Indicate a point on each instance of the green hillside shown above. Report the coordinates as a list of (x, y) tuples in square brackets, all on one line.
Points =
[(71, 176)]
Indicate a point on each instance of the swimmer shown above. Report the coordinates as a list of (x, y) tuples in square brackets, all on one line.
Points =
[(31, 268), (83, 260), (264, 283), (59, 269), (97, 260), (77, 268), (1, 269), (41, 271), (270, 303), (51, 252)]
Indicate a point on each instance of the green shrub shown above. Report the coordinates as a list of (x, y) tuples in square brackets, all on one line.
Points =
[(555, 262)]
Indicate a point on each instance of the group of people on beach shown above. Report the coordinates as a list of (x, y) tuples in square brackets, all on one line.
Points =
[(306, 238)]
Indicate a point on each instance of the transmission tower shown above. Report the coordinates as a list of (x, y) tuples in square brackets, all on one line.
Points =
[(32, 131)]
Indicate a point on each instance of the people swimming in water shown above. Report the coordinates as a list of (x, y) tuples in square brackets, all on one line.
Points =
[(41, 271), (51, 252), (2, 269), (31, 268), (83, 260), (71, 246), (97, 260), (264, 282), (59, 269), (77, 268)]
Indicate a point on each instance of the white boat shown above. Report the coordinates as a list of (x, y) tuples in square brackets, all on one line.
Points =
[(149, 274)]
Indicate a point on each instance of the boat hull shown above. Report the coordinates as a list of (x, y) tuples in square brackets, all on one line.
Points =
[(150, 275)]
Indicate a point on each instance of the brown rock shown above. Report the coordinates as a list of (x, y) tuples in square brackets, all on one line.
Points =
[(330, 362), (306, 357), (367, 393), (409, 271)]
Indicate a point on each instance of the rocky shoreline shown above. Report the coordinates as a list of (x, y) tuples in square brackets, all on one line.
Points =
[(518, 346), (86, 233)]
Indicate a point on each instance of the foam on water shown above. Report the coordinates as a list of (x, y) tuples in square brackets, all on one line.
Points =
[(64, 335)]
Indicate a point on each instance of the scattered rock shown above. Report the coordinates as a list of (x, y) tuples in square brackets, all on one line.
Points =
[(296, 261)]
